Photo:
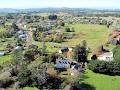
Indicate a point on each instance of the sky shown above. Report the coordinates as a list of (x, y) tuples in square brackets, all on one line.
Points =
[(24, 4)]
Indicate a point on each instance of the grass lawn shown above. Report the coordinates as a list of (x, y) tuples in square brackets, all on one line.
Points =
[(102, 82), (1, 29), (50, 46), (93, 34), (5, 58)]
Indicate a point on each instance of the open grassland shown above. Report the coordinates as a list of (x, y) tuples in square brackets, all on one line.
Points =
[(94, 35), (102, 82)]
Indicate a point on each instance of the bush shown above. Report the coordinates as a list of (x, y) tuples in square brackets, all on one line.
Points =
[(6, 82), (24, 76), (67, 30), (104, 67)]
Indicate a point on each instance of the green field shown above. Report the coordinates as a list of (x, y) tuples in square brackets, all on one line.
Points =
[(5, 58), (102, 82), (1, 29), (29, 88), (95, 35)]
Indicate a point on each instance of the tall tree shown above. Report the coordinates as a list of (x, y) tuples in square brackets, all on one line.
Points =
[(80, 53)]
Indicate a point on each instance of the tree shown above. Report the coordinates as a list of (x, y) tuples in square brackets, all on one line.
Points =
[(52, 17), (9, 47), (80, 53), (53, 57), (24, 76), (67, 29), (17, 62), (62, 24), (116, 53), (29, 54)]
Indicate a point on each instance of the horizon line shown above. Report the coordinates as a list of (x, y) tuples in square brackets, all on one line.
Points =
[(98, 8)]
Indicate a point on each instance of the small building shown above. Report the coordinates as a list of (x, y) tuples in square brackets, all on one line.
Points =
[(76, 69), (65, 49), (18, 48), (108, 56), (63, 63), (2, 53), (114, 41), (1, 21), (23, 36), (20, 32)]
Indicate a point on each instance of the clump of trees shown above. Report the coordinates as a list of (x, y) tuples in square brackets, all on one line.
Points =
[(81, 52), (67, 29), (35, 75), (41, 35), (52, 17)]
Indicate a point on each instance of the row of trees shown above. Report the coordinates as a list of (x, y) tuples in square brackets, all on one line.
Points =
[(109, 68)]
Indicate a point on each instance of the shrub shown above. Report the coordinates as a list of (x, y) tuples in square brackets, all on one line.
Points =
[(67, 29), (6, 82), (116, 53)]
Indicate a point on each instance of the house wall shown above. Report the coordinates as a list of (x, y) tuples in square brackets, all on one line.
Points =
[(105, 58)]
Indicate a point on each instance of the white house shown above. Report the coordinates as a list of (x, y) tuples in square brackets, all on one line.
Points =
[(108, 56), (18, 48), (20, 32), (22, 37), (2, 53)]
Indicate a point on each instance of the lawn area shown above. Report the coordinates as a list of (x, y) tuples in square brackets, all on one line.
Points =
[(93, 34), (102, 82), (5, 58), (1, 29), (49, 46)]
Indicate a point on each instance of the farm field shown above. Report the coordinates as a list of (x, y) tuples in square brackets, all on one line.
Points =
[(102, 82)]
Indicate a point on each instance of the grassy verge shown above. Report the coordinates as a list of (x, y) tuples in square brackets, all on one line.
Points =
[(29, 88)]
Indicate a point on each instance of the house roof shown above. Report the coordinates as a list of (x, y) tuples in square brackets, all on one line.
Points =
[(63, 63)]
